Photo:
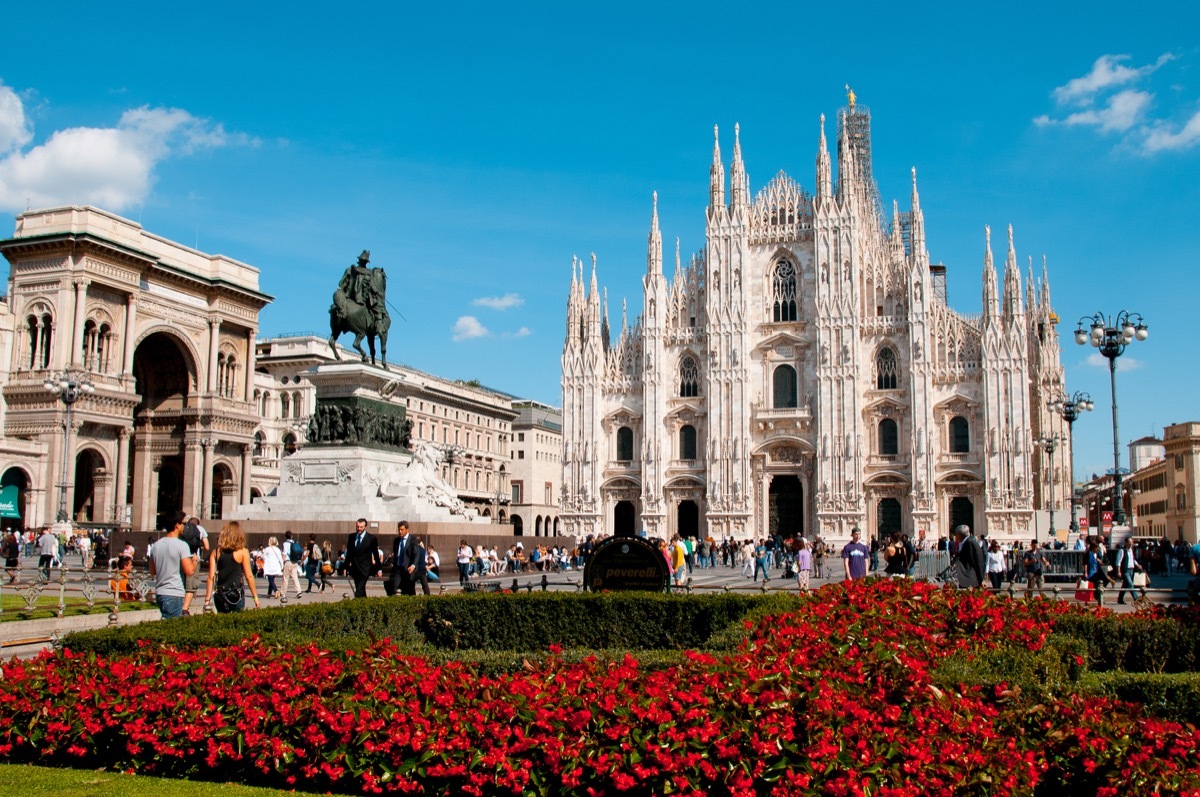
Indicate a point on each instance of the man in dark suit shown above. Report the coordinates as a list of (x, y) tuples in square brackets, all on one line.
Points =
[(362, 557), (404, 561), (970, 561)]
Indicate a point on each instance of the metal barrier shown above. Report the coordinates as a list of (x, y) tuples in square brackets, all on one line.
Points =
[(91, 586)]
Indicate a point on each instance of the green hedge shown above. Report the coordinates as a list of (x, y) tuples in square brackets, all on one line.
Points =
[(1053, 670), (497, 627), (1173, 696), (1132, 644)]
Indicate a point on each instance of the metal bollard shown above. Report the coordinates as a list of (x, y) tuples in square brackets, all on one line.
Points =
[(515, 586), (545, 583), (62, 591)]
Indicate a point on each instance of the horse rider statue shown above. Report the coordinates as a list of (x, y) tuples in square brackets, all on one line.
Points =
[(360, 306)]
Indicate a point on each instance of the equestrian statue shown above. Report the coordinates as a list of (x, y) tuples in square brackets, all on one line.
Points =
[(360, 306)]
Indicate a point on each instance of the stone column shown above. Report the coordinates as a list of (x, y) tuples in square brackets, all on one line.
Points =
[(250, 365), (124, 436), (81, 285), (214, 331), (247, 466), (130, 329), (206, 478), (191, 483)]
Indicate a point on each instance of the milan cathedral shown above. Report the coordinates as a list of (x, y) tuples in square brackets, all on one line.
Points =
[(803, 374)]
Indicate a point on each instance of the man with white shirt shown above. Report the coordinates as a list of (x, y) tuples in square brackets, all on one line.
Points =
[(47, 551), (1126, 566)]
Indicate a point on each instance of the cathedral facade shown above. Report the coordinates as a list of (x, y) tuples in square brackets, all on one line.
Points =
[(803, 374)]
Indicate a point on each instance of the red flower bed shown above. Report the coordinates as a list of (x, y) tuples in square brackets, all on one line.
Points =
[(835, 697)]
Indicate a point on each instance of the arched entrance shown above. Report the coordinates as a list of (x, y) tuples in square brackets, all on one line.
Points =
[(223, 486), (16, 477), (687, 518), (163, 374), (623, 519), (785, 509), (887, 518), (83, 507), (962, 513), (518, 526)]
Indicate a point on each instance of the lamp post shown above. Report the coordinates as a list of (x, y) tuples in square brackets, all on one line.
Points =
[(68, 386), (1069, 409), (1111, 336), (1050, 443)]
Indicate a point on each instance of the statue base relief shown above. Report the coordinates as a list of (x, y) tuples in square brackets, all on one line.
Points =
[(342, 483)]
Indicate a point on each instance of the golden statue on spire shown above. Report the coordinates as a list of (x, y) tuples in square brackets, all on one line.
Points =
[(850, 96)]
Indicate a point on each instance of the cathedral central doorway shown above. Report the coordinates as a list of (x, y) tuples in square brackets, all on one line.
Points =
[(688, 519), (786, 507), (962, 513), (623, 520), (887, 518)]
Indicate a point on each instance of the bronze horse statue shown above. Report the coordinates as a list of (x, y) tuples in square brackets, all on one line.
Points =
[(368, 318)]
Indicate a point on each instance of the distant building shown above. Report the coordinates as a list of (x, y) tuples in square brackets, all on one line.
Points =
[(536, 469), (803, 374)]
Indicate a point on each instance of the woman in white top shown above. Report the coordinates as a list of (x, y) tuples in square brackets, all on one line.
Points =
[(272, 565), (465, 553), (995, 565)]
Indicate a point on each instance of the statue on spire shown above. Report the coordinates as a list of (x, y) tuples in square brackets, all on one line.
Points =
[(850, 98)]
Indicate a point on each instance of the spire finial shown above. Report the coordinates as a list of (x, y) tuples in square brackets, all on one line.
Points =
[(677, 253), (850, 96)]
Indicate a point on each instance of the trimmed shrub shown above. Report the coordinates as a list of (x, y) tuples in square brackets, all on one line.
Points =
[(1134, 644), (1172, 696), (1055, 669)]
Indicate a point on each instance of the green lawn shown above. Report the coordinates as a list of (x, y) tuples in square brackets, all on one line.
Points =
[(29, 781), (11, 606)]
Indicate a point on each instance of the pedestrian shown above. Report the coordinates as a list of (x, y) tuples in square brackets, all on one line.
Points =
[(362, 557), (464, 562), (197, 542), (760, 561), (12, 556), (1126, 565), (229, 572), (404, 561), (679, 560), (171, 561), (1035, 565), (819, 551), (803, 564), (1096, 572), (311, 562), (856, 556), (272, 567), (896, 557), (970, 560), (47, 552), (327, 567), (996, 565), (293, 557)]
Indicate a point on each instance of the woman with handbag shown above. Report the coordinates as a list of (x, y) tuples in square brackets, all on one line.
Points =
[(312, 562), (326, 568), (1095, 572), (229, 571)]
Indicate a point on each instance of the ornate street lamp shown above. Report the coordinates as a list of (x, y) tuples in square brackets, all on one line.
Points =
[(1050, 443), (68, 386), (1111, 336), (1069, 409)]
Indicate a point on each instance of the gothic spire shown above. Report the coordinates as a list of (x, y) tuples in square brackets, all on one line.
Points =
[(605, 334), (991, 296), (678, 265), (1012, 280), (917, 223), (739, 185), (1030, 295), (654, 245), (824, 172), (716, 175), (1045, 285)]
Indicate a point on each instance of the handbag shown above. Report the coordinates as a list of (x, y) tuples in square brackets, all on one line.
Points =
[(1083, 591), (326, 568), (1140, 580)]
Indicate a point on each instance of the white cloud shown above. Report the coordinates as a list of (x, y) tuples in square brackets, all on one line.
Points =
[(468, 327), (500, 302), (15, 131), (1124, 110), (1160, 138), (112, 167), (520, 333), (1107, 72), (1124, 363)]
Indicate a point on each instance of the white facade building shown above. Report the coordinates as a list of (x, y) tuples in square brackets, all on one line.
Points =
[(803, 374)]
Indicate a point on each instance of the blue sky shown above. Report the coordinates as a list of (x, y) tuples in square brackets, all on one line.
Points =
[(475, 148)]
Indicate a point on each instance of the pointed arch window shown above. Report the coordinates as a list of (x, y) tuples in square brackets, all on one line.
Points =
[(783, 292), (889, 438), (960, 435), (785, 389), (689, 377), (687, 442), (624, 444), (887, 370)]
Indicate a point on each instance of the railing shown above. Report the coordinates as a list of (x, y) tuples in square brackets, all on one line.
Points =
[(81, 588)]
